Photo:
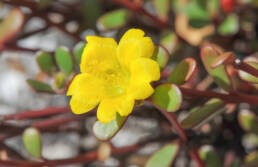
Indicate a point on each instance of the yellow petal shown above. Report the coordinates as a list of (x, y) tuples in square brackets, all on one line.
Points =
[(86, 86), (134, 45), (106, 110), (140, 91), (99, 55), (81, 105), (144, 70), (124, 105)]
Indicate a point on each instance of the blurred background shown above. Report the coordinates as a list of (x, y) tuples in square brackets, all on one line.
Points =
[(41, 42)]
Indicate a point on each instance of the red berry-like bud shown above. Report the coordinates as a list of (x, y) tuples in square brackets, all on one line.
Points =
[(227, 5)]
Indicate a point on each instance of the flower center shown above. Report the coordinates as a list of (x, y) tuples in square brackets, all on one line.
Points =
[(117, 81), (115, 78)]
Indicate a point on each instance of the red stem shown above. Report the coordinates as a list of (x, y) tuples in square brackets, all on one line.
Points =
[(37, 113), (50, 123), (14, 47), (25, 35), (181, 133), (172, 119), (247, 68), (139, 9), (231, 98), (85, 158), (195, 156)]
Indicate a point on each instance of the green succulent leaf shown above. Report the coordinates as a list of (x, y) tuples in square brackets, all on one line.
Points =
[(45, 62), (40, 86), (162, 7), (167, 97), (77, 51), (183, 71), (64, 60), (248, 121), (210, 156), (199, 115), (164, 157), (161, 56), (60, 80), (229, 26), (91, 10), (213, 7), (106, 131), (169, 41), (113, 20), (32, 141), (196, 10)]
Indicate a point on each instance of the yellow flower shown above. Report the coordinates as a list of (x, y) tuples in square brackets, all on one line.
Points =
[(114, 76)]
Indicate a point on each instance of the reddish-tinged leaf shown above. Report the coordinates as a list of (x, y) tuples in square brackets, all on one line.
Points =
[(249, 77), (200, 115), (11, 25), (225, 58), (183, 71), (209, 53)]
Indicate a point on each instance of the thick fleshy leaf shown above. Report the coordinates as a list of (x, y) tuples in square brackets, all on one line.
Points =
[(11, 25), (223, 59), (210, 156), (161, 56), (168, 97), (59, 80), (40, 86), (162, 7), (164, 157), (248, 121), (104, 151), (107, 131), (196, 10), (249, 77), (77, 51), (229, 26), (202, 114), (113, 20), (213, 7), (45, 62), (183, 71), (169, 41), (32, 141), (208, 54), (250, 140), (251, 160), (91, 10), (64, 60)]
